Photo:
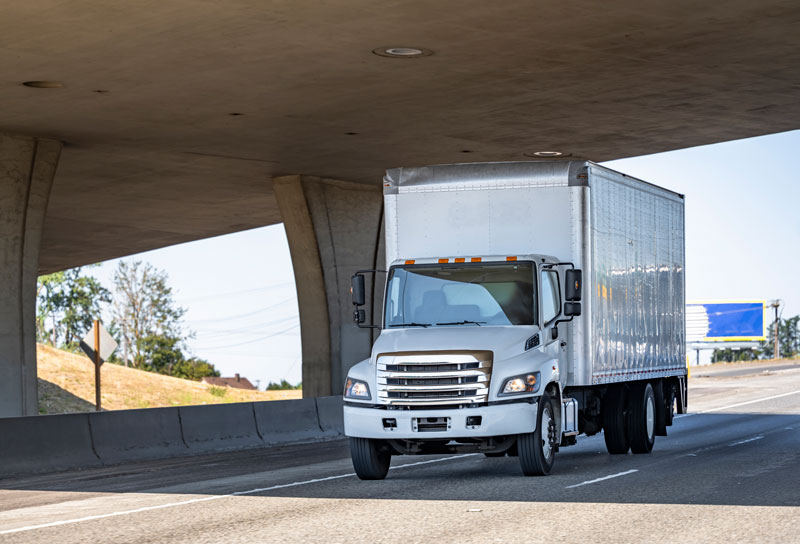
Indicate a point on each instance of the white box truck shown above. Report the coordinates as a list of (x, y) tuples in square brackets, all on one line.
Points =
[(525, 303)]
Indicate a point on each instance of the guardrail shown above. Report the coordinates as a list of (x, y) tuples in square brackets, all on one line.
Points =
[(51, 443)]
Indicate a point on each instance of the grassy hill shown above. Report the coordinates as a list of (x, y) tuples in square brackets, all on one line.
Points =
[(66, 384)]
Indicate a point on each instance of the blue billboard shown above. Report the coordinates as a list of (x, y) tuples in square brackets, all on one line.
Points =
[(730, 321)]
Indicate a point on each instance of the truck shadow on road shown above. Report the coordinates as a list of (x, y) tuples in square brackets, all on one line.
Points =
[(748, 459)]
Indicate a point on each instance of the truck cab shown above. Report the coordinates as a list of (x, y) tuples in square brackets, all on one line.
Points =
[(508, 316)]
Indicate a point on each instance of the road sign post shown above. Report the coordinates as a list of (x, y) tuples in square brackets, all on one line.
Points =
[(97, 363), (98, 345)]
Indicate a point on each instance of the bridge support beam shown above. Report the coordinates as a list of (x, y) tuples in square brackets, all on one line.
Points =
[(334, 229), (27, 167)]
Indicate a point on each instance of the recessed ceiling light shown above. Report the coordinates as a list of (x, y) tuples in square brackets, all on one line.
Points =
[(402, 52), (546, 154), (44, 84)]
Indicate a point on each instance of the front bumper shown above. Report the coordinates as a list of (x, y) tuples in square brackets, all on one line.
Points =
[(497, 420)]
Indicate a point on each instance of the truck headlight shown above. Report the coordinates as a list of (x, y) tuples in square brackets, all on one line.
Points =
[(517, 385), (356, 389)]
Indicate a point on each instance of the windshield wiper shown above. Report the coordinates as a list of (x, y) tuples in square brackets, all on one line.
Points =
[(411, 325), (465, 322)]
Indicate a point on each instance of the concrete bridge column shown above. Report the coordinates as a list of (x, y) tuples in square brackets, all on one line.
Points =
[(27, 167), (334, 229)]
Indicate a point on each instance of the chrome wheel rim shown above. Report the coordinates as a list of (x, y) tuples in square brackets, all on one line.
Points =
[(650, 416)]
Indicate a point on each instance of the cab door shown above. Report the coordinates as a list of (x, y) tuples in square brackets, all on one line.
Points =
[(553, 338)]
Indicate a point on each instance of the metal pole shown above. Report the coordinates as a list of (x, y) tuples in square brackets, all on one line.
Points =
[(777, 343), (97, 364)]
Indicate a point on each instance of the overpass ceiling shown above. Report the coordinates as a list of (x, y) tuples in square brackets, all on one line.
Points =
[(154, 156)]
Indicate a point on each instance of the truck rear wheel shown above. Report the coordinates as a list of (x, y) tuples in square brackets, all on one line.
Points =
[(371, 458), (537, 450), (661, 408), (614, 424), (642, 418)]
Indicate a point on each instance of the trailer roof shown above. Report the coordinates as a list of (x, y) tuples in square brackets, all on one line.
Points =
[(552, 173)]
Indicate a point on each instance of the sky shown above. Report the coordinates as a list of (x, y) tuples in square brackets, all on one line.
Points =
[(742, 242)]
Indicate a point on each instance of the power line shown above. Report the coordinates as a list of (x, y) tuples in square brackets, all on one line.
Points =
[(251, 341), (240, 292), (245, 329), (239, 316)]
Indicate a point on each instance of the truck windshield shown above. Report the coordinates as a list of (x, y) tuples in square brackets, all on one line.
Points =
[(468, 294)]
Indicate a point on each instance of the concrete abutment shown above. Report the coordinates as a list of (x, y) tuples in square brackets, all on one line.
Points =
[(334, 228), (27, 167)]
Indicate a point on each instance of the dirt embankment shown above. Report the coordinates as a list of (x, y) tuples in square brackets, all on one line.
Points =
[(66, 384)]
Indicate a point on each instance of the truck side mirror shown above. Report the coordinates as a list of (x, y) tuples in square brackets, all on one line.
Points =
[(357, 290), (572, 288), (572, 309)]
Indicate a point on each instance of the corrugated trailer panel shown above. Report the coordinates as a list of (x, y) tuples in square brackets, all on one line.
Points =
[(637, 279)]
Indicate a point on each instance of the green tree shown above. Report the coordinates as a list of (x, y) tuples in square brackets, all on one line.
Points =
[(149, 323), (165, 356), (194, 369), (283, 386), (729, 355), (788, 338), (144, 309), (67, 304)]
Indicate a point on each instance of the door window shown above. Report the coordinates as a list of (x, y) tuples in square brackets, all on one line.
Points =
[(551, 296)]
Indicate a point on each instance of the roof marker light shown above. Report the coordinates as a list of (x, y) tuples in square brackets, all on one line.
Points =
[(442, 261), (511, 258), (410, 261), (475, 260), (460, 259)]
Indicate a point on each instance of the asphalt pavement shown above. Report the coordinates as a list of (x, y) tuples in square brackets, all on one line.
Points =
[(728, 471)]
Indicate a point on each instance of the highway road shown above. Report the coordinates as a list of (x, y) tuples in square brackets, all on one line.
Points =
[(729, 471)]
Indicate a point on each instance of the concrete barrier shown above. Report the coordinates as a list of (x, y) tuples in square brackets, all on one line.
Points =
[(45, 444), (331, 416), (219, 427), (51, 443), (285, 421), (134, 435)]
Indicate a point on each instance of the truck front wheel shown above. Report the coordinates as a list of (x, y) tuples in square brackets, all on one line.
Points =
[(537, 450), (371, 458)]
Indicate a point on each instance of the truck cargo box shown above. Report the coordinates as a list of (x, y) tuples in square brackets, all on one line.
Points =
[(627, 236)]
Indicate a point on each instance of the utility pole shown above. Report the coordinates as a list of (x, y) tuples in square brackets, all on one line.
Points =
[(777, 351)]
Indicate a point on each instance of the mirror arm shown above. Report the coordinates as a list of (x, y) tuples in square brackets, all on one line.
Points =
[(572, 266)]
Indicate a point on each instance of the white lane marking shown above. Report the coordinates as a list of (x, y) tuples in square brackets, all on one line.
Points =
[(214, 497), (603, 478), (746, 440), (739, 404)]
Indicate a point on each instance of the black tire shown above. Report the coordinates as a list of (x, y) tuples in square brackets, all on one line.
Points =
[(642, 418), (614, 424), (537, 450), (371, 458), (495, 454)]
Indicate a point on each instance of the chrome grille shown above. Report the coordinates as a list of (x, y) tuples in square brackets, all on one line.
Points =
[(434, 379)]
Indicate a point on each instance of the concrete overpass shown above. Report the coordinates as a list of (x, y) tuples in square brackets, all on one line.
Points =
[(146, 124)]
